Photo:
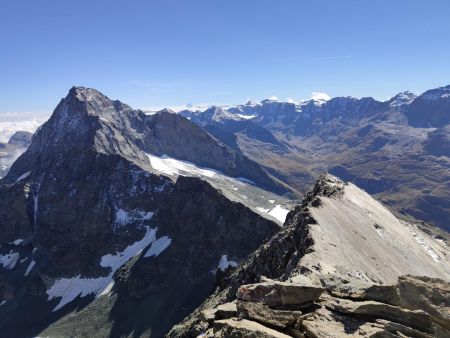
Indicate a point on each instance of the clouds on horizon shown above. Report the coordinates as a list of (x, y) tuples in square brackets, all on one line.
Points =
[(7, 129), (320, 96)]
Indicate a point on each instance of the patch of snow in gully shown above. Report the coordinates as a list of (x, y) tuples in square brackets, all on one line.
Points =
[(24, 176), (9, 260), (30, 267), (70, 288), (158, 246), (124, 217), (17, 241)]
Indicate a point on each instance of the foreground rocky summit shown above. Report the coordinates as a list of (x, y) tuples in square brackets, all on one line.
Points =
[(335, 269), (412, 307)]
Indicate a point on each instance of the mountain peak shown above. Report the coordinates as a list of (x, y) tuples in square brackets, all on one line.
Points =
[(402, 98), (90, 101), (84, 94)]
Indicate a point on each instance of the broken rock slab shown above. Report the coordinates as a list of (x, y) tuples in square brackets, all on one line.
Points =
[(265, 315), (416, 319), (275, 293), (234, 328)]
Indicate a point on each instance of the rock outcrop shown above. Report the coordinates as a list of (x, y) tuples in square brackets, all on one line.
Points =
[(337, 268), (355, 310)]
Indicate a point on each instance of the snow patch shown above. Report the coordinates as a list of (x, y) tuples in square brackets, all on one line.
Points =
[(35, 207), (124, 217), (246, 180), (172, 166), (425, 245), (158, 246), (224, 263), (246, 117), (440, 241), (70, 288), (17, 241), (9, 260), (24, 176), (30, 267), (262, 209), (279, 212)]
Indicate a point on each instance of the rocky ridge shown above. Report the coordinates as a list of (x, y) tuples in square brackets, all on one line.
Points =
[(319, 250), (412, 307)]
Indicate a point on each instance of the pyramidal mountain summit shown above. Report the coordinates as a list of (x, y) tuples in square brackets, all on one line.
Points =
[(117, 222)]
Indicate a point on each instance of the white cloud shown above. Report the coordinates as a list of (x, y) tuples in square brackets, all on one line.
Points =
[(7, 129), (320, 96), (290, 100), (23, 116)]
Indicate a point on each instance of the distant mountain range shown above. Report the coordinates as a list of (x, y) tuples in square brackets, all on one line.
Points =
[(398, 150), (117, 223)]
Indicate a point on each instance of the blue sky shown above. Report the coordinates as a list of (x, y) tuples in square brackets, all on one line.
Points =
[(171, 52)]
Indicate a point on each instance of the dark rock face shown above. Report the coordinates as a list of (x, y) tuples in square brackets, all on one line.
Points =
[(431, 109), (82, 206)]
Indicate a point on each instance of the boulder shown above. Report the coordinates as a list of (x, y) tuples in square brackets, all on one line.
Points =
[(233, 328), (276, 293), (324, 323), (265, 315), (431, 295), (416, 319)]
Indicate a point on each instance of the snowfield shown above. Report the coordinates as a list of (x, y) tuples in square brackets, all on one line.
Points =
[(279, 212), (9, 260), (238, 189), (171, 166)]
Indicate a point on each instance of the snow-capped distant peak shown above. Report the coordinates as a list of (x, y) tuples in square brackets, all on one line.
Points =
[(402, 98)]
